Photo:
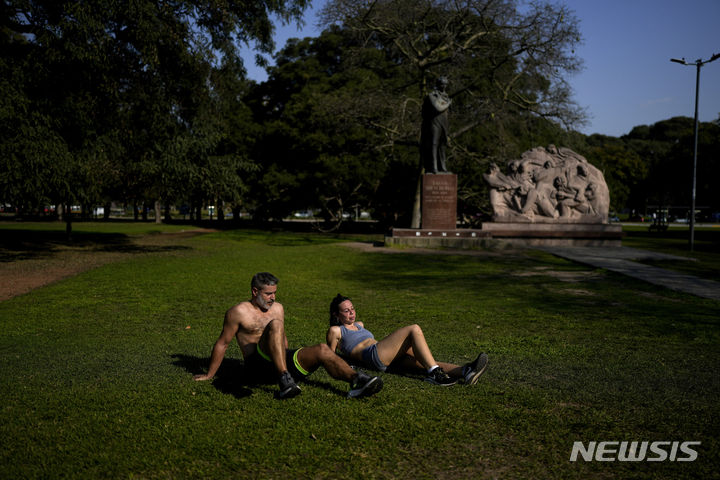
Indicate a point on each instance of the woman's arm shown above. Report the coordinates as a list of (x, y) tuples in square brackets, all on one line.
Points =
[(333, 337)]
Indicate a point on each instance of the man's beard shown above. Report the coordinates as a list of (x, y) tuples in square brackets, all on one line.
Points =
[(264, 304)]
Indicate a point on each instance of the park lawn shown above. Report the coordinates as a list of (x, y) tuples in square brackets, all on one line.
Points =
[(97, 369)]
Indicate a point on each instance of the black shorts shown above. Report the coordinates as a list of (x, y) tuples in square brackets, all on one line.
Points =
[(260, 366)]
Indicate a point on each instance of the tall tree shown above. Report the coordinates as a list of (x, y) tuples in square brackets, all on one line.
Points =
[(316, 152), (504, 59), (118, 84), (668, 149), (622, 167)]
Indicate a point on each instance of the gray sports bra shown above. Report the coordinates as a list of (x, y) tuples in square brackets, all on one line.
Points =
[(351, 338)]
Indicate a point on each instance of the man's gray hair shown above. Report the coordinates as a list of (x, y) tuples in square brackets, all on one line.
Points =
[(263, 279)]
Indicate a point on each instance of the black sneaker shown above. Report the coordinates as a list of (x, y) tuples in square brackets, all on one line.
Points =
[(288, 387), (439, 377), (473, 370), (364, 385)]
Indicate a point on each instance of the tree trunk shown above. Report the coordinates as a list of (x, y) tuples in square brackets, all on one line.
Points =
[(158, 212), (68, 222), (416, 211), (220, 210)]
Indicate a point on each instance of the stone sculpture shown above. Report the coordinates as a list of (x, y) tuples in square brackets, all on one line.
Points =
[(548, 185)]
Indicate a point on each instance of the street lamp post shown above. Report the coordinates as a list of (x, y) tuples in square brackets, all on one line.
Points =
[(698, 63)]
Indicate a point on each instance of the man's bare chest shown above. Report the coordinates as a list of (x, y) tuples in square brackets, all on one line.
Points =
[(254, 326)]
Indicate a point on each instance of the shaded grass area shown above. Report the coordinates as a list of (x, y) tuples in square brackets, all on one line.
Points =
[(96, 370), (24, 241)]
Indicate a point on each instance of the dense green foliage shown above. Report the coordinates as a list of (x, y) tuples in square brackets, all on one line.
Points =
[(133, 101), (146, 103), (96, 371), (653, 165), (350, 100)]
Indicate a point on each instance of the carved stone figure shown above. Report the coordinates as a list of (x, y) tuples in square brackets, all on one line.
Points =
[(548, 185), (435, 126)]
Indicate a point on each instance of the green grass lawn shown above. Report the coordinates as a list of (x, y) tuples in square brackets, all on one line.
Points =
[(96, 370)]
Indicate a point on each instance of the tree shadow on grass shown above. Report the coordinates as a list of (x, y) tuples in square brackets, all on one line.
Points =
[(233, 379), (18, 245), (520, 280)]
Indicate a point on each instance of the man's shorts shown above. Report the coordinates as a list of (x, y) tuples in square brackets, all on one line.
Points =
[(371, 359), (260, 366)]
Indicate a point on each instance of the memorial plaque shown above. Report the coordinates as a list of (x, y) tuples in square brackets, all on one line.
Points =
[(439, 201)]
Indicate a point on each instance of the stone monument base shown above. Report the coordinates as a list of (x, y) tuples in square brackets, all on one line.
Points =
[(439, 201), (517, 234)]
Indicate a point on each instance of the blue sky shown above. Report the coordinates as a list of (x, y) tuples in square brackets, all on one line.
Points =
[(628, 79)]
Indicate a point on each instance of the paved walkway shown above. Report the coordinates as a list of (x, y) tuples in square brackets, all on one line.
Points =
[(621, 260)]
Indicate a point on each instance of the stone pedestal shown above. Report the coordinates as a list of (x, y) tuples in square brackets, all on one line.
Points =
[(493, 235), (556, 234), (439, 201)]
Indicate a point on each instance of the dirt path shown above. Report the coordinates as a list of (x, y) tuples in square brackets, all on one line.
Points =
[(26, 265)]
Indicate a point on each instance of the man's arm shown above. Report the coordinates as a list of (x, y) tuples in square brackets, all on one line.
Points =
[(230, 328)]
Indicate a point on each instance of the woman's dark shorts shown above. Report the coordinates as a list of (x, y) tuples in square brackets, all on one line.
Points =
[(371, 359)]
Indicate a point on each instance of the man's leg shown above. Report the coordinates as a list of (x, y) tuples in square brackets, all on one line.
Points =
[(320, 355), (272, 343)]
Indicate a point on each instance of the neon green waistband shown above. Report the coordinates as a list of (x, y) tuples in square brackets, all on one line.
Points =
[(261, 353), (296, 362)]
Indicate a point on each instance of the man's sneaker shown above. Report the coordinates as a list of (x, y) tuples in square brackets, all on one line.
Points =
[(439, 377), (473, 370), (288, 387), (364, 385)]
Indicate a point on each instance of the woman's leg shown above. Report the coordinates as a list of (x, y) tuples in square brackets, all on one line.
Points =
[(452, 369), (408, 362), (406, 340)]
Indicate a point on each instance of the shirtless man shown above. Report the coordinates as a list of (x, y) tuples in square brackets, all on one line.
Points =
[(258, 326)]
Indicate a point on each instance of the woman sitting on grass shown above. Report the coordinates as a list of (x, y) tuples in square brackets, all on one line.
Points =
[(404, 349)]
